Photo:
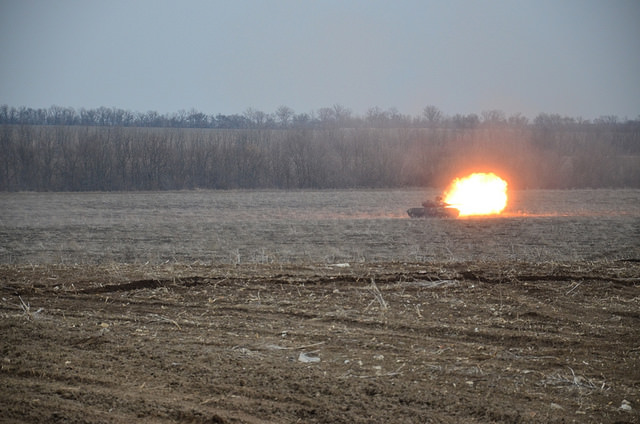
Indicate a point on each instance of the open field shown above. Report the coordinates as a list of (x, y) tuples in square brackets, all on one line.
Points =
[(310, 227), (388, 342), (318, 307)]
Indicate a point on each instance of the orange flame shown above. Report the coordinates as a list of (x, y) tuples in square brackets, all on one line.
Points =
[(478, 194)]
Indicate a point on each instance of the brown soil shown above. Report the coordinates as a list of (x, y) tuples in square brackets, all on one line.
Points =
[(385, 342)]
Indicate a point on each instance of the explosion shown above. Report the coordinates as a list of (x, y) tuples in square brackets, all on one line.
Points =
[(477, 194)]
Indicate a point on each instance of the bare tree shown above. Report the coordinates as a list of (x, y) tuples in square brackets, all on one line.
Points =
[(518, 120), (257, 118), (342, 114), (284, 115), (493, 117), (433, 115)]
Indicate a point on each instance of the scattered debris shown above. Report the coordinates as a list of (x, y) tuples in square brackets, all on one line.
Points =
[(308, 358), (378, 295), (626, 406), (431, 284), (26, 308)]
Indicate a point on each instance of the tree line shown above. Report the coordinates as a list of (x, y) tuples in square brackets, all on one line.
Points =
[(284, 118), (548, 153)]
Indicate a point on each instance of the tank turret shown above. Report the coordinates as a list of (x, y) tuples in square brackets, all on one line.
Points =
[(434, 209)]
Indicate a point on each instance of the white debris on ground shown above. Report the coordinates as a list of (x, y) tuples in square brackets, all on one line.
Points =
[(626, 406), (308, 358)]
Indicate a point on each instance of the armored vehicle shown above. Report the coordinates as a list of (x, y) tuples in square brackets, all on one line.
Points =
[(434, 209)]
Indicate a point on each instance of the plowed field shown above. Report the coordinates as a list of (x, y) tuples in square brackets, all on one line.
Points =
[(318, 307), (392, 342)]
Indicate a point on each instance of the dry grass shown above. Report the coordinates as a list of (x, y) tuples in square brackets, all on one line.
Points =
[(310, 227)]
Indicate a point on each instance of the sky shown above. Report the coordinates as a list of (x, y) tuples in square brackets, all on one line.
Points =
[(578, 58)]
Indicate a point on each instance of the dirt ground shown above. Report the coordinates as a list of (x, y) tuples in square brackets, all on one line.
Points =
[(384, 342)]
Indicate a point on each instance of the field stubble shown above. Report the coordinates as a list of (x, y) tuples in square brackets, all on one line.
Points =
[(310, 226), (319, 307), (387, 342)]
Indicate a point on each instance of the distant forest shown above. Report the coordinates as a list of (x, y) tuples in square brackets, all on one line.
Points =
[(107, 149)]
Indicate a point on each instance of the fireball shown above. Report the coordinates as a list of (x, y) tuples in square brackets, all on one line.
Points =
[(477, 194)]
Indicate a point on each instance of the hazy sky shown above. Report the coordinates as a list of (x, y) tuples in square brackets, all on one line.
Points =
[(573, 57)]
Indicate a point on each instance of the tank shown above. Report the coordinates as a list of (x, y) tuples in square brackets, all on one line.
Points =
[(434, 209)]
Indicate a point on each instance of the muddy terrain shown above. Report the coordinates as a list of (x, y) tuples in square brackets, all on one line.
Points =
[(401, 342)]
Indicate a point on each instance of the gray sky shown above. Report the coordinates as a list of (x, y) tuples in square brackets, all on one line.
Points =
[(578, 58)]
